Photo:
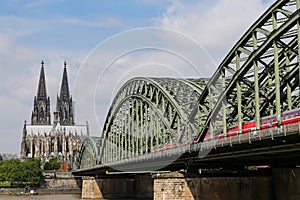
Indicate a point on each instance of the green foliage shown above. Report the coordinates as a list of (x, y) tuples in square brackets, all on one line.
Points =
[(19, 173), (53, 164), (5, 184)]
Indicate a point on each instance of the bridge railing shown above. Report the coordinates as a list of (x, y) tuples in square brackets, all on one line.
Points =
[(250, 137), (270, 133)]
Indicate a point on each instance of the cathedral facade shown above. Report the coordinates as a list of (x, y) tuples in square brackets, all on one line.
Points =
[(62, 138)]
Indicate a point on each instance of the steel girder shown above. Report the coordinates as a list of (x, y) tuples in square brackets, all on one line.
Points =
[(89, 152), (148, 114), (259, 77)]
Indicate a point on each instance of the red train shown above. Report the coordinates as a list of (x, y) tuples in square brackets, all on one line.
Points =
[(163, 146), (288, 117)]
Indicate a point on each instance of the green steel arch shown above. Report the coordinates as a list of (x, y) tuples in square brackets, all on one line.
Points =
[(148, 114), (259, 77), (89, 152)]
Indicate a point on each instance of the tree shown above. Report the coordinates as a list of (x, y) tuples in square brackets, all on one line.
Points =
[(53, 164), (20, 173)]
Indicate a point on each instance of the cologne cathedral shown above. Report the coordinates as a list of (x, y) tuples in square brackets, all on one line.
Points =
[(61, 139)]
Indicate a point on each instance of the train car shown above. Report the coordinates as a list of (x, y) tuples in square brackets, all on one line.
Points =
[(163, 147), (248, 126), (292, 116), (289, 117), (268, 122)]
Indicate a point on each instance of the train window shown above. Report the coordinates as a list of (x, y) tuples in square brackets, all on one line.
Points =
[(273, 119), (292, 114)]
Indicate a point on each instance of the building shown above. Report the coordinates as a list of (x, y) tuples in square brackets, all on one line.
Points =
[(8, 156), (62, 138)]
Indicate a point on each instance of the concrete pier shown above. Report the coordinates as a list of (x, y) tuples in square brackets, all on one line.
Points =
[(90, 189), (118, 187), (279, 184)]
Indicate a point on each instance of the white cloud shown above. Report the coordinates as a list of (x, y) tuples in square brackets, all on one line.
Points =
[(19, 75), (107, 21), (144, 52), (216, 25), (37, 4), (21, 26)]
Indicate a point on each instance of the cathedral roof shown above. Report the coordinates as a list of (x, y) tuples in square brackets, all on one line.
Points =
[(35, 130), (38, 129)]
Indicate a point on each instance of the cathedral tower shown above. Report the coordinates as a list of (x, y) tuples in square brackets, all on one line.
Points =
[(41, 105), (62, 138), (64, 113)]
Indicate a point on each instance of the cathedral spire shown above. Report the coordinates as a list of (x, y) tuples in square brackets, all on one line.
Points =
[(42, 93), (64, 112), (41, 103), (64, 90)]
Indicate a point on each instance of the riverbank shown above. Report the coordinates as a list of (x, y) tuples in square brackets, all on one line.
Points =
[(41, 191), (42, 197), (53, 182)]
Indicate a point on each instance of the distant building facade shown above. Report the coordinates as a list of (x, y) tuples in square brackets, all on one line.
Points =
[(63, 138), (8, 156)]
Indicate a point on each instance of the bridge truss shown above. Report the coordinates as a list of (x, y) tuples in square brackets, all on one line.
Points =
[(147, 114), (259, 77)]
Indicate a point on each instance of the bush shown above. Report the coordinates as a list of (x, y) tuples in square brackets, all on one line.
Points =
[(53, 164), (17, 173)]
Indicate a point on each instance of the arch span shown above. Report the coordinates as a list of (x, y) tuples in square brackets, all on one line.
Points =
[(259, 77), (149, 114)]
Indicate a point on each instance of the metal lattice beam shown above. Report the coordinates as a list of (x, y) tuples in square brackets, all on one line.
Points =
[(259, 77), (256, 73), (89, 152), (148, 114)]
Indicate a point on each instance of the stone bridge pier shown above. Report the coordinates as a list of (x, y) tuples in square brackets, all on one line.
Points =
[(118, 187), (278, 184)]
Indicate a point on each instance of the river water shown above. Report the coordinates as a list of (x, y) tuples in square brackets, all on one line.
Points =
[(41, 197)]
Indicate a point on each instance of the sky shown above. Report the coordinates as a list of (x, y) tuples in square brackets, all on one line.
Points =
[(105, 43)]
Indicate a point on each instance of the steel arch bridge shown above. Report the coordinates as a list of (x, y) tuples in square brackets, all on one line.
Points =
[(259, 77), (147, 114)]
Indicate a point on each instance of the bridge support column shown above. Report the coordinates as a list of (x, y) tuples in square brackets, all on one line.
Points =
[(90, 189), (171, 186), (175, 185), (286, 183)]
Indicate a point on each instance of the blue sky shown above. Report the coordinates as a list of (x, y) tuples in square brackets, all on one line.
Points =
[(91, 19), (59, 30)]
